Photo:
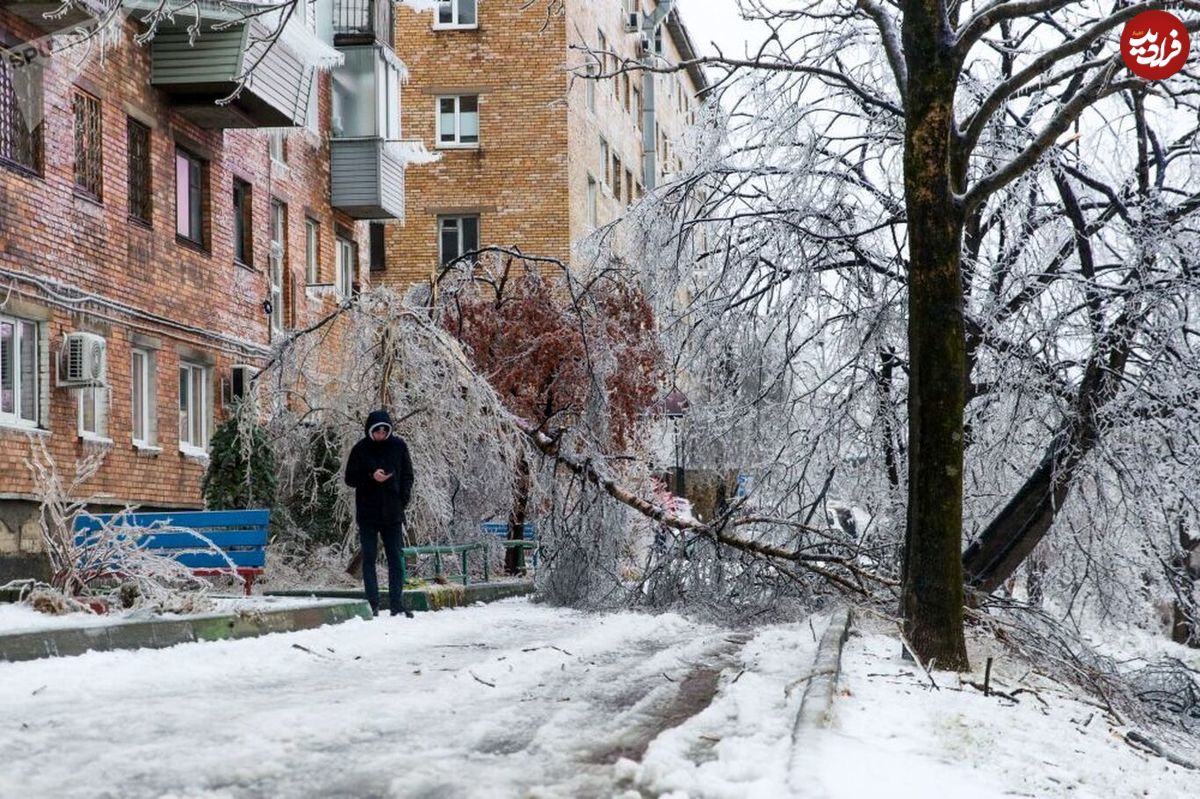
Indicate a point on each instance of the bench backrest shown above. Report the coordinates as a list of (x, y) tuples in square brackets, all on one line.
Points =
[(500, 529), (241, 534)]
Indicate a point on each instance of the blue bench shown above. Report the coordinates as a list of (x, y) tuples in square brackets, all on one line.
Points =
[(240, 534), (528, 539)]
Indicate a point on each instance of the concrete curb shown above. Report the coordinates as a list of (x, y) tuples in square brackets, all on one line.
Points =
[(169, 632), (816, 708), (436, 597)]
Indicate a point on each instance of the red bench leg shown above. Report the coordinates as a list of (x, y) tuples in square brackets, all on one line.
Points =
[(248, 582)]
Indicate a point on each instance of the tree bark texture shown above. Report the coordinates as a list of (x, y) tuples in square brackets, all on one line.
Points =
[(932, 585)]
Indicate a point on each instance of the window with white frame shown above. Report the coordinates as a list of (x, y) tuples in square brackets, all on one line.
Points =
[(593, 202), (458, 121), (457, 236), (142, 368), (193, 408), (312, 250), (603, 160), (277, 263), (589, 85), (347, 265), (20, 377), (278, 147), (93, 412), (457, 14)]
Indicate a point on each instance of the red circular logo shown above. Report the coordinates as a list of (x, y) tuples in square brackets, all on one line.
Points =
[(1155, 45)]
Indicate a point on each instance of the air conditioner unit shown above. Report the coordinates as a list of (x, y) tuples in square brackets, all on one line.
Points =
[(632, 22), (645, 46), (83, 360)]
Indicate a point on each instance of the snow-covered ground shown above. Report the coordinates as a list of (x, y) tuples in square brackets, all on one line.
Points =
[(516, 699)]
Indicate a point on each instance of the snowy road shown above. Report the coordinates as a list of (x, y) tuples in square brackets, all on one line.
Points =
[(511, 699)]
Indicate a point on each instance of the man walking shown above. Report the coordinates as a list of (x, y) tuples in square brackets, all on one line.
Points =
[(381, 474)]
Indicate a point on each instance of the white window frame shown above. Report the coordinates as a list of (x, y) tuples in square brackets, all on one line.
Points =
[(312, 250), (457, 141), (593, 201), (589, 85), (605, 160), (457, 219), (97, 397), (145, 403), (278, 226), (278, 147), (194, 405), (17, 417), (347, 266), (455, 14)]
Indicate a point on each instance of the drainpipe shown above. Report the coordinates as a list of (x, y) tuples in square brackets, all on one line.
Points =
[(650, 23)]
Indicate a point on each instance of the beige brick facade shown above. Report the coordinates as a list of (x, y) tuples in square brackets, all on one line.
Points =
[(539, 138)]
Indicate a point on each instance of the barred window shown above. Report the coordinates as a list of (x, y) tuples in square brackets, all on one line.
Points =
[(20, 101), (139, 170), (88, 145)]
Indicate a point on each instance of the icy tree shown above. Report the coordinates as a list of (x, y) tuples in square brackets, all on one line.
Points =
[(585, 361), (973, 204)]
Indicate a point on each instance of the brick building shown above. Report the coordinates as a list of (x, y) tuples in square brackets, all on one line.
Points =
[(154, 243), (529, 156)]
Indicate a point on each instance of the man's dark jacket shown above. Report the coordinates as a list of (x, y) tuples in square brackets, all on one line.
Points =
[(380, 504)]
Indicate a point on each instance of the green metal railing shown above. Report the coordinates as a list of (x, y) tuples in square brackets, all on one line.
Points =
[(460, 553)]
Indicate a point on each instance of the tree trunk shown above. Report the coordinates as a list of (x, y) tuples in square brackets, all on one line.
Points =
[(932, 585), (513, 557), (1185, 567)]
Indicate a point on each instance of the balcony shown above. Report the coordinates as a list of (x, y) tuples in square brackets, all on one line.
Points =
[(198, 75), (358, 22), (367, 178), (34, 12)]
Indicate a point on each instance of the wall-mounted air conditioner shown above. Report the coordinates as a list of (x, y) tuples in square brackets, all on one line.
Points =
[(645, 46), (83, 360), (632, 22)]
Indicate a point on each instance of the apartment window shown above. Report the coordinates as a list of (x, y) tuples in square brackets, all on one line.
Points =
[(239, 382), (589, 86), (636, 110), (243, 229), (593, 202), (142, 366), (20, 100), (458, 120), (616, 176), (137, 136), (189, 197), (378, 252), (347, 265), (640, 191), (603, 160), (628, 186), (278, 262), (312, 251), (278, 147), (456, 14), (93, 413), (457, 236), (20, 377), (628, 87), (602, 47), (193, 408), (88, 145)]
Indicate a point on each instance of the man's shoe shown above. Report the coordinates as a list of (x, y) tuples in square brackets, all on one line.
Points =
[(407, 613)]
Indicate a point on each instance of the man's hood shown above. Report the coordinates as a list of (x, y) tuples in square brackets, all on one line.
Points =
[(376, 418)]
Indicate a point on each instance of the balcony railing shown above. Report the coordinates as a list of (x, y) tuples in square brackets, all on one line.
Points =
[(363, 22)]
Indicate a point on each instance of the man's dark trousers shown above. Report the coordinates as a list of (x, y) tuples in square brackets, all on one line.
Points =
[(369, 536)]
